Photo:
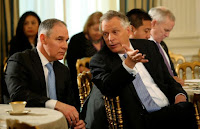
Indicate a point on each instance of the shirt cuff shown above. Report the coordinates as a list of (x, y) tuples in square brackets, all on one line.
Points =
[(50, 103), (131, 71), (180, 94)]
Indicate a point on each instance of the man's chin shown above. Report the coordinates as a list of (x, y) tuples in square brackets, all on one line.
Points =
[(60, 58), (115, 50)]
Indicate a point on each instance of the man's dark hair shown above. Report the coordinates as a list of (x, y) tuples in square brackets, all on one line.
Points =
[(136, 16)]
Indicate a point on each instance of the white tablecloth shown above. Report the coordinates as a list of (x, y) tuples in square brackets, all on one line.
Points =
[(44, 118), (191, 90)]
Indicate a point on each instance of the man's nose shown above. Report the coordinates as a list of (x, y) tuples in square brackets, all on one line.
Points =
[(110, 37), (148, 36), (65, 45), (167, 34)]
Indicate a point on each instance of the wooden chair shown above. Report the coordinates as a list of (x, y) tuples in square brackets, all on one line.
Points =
[(196, 102), (177, 59), (4, 64), (84, 85), (81, 64), (113, 112), (194, 67)]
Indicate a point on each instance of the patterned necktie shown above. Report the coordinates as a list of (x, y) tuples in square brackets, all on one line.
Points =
[(51, 82), (143, 94), (165, 60)]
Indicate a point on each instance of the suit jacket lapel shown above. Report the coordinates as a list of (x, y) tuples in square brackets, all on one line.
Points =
[(57, 73)]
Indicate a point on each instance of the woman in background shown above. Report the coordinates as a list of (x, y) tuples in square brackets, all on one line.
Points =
[(84, 44), (26, 33)]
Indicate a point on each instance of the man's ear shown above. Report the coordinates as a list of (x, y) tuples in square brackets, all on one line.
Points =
[(42, 38), (132, 28), (153, 23), (129, 29)]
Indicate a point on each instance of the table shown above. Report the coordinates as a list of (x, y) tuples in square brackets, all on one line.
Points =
[(44, 118), (191, 87)]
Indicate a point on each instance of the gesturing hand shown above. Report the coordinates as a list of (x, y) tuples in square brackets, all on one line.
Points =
[(133, 57)]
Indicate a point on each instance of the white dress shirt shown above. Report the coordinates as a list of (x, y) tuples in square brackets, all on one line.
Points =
[(157, 95), (50, 103)]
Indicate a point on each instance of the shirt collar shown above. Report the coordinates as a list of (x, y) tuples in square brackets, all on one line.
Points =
[(151, 38), (43, 58)]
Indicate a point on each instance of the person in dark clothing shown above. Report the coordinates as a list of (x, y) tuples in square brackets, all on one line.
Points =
[(37, 77), (149, 96), (163, 21), (26, 33)]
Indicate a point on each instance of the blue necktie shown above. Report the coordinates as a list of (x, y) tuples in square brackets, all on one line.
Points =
[(143, 94), (51, 82)]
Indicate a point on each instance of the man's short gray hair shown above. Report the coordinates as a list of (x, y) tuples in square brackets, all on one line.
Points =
[(161, 13), (111, 14), (46, 26)]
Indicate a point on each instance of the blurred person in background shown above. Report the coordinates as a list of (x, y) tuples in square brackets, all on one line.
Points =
[(163, 21), (26, 33), (140, 24), (84, 44)]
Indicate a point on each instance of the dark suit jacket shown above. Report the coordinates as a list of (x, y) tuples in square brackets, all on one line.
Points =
[(171, 63), (26, 81), (112, 79)]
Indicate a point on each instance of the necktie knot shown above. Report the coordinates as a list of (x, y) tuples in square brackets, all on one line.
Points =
[(125, 55)]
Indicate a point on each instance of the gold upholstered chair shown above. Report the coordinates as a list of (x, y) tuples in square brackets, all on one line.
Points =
[(4, 63), (176, 59), (84, 85), (113, 112), (82, 64), (188, 69)]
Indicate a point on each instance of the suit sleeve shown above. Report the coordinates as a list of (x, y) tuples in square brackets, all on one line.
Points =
[(20, 85), (109, 80)]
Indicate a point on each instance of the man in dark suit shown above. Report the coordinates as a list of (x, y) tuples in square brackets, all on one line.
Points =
[(163, 21), (27, 74), (115, 75), (96, 115)]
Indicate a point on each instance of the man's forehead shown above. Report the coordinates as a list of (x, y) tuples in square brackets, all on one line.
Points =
[(110, 25)]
